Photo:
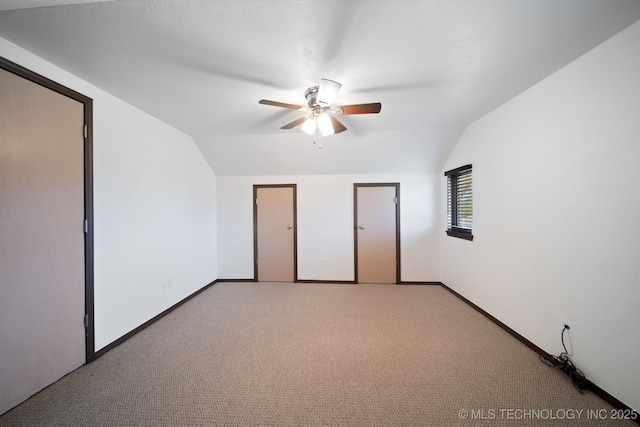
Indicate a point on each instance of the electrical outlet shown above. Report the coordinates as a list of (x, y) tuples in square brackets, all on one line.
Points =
[(323, 262), (165, 286)]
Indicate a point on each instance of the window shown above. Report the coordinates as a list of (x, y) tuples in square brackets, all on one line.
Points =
[(459, 203)]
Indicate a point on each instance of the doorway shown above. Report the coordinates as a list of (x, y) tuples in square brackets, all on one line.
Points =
[(275, 224), (377, 232), (46, 243)]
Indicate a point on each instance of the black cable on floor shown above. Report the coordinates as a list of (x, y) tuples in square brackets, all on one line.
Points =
[(565, 364)]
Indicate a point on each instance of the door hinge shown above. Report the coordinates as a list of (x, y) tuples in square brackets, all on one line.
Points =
[(85, 129), (86, 320), (86, 226), (256, 200), (395, 200)]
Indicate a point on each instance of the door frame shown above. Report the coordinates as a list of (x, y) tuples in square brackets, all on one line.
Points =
[(355, 224), (87, 103), (295, 227)]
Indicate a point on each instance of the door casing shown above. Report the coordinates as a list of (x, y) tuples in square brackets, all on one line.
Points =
[(397, 225), (256, 187), (88, 190)]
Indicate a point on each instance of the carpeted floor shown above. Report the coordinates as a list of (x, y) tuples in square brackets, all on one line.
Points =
[(284, 354)]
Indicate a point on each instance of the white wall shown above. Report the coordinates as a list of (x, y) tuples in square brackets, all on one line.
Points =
[(556, 208), (155, 219), (154, 204), (325, 225)]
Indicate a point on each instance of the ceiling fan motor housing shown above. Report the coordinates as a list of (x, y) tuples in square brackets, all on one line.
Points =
[(311, 95)]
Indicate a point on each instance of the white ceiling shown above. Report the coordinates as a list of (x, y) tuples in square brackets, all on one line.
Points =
[(202, 66)]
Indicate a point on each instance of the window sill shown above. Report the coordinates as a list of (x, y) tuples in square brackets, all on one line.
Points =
[(460, 234)]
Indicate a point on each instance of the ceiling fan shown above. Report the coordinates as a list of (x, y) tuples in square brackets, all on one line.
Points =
[(321, 118)]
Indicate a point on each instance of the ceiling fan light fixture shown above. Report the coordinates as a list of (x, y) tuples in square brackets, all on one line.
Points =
[(327, 92), (320, 120), (309, 126), (325, 125)]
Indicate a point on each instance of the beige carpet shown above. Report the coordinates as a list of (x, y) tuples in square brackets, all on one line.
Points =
[(283, 354)]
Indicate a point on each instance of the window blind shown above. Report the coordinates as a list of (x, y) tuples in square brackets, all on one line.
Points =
[(460, 202)]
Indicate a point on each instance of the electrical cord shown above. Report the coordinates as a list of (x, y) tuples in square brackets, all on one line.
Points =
[(565, 364)]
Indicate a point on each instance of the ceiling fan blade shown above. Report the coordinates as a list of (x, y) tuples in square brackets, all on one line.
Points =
[(279, 104), (372, 108), (327, 91), (337, 126), (294, 123)]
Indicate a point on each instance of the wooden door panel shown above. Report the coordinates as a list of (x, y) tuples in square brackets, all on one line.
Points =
[(42, 298), (376, 234), (275, 234)]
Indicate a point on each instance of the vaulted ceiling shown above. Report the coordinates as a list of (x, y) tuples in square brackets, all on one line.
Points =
[(202, 65)]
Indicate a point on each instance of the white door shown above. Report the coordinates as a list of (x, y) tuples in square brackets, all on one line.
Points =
[(42, 295)]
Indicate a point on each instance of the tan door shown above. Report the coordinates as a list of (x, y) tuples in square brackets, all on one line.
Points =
[(275, 233), (42, 303), (376, 233)]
